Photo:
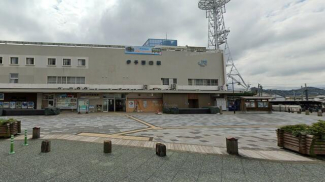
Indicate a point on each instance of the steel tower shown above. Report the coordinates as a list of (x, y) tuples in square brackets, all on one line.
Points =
[(217, 36)]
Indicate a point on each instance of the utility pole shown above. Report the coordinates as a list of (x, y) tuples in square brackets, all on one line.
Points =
[(302, 94), (233, 96), (306, 91)]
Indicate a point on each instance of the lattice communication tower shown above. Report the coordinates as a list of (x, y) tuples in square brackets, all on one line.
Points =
[(217, 36)]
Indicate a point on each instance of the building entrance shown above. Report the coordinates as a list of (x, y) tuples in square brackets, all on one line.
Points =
[(108, 105)]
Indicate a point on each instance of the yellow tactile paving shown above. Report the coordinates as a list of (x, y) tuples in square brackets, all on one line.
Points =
[(114, 136)]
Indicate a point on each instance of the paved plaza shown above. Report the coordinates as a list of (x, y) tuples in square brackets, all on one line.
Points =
[(254, 131), (82, 161)]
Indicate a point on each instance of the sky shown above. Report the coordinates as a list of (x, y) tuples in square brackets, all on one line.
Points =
[(277, 43)]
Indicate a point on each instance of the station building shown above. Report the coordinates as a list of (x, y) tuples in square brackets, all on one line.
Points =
[(110, 78)]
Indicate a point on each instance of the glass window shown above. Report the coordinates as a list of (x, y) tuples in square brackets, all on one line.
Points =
[(51, 80), (175, 81), (29, 61), (59, 80), (66, 62), (214, 82), (64, 80), (190, 82), (158, 62), (165, 81), (80, 80), (81, 62), (71, 80), (14, 60), (199, 82), (13, 78), (52, 61), (0, 60)]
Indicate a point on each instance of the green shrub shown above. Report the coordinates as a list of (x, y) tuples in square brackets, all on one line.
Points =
[(296, 129), (5, 121), (318, 128)]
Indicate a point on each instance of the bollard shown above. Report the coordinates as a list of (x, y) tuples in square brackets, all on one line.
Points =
[(161, 150), (307, 112), (107, 146), (320, 113), (232, 145), (25, 142), (46, 146), (220, 109), (12, 151), (36, 132)]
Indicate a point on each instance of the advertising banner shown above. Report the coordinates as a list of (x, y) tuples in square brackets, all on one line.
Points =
[(142, 50)]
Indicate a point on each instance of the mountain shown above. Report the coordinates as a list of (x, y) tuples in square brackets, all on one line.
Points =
[(312, 92)]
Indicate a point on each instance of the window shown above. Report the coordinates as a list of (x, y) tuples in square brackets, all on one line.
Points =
[(81, 62), (150, 62), (128, 62), (214, 82), (165, 81), (175, 81), (143, 62), (136, 62), (199, 82), (51, 61), (66, 62), (51, 80), (80, 80), (65, 80), (14, 60), (158, 63), (13, 78), (71, 80), (203, 82), (190, 82), (0, 60), (30, 61)]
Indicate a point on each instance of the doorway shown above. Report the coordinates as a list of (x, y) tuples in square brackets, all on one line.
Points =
[(193, 103), (108, 105)]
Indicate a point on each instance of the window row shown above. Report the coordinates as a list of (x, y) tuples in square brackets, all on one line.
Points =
[(203, 82), (144, 62), (166, 81), (51, 61), (65, 80)]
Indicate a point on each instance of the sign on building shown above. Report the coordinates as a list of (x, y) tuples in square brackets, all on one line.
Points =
[(142, 50)]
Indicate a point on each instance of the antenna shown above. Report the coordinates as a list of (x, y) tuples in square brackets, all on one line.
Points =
[(217, 36)]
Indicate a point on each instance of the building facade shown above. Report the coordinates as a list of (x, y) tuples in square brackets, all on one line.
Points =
[(104, 78)]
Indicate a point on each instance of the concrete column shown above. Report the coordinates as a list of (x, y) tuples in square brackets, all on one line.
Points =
[(39, 100)]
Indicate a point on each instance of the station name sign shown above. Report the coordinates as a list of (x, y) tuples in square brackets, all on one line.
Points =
[(143, 50)]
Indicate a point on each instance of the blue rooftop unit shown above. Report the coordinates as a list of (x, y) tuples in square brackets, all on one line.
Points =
[(160, 42)]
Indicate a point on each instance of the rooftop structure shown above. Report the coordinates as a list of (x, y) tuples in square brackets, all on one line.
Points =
[(160, 42)]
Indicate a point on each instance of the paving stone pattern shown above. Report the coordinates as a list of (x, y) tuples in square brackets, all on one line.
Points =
[(277, 118), (188, 128), (81, 161), (77, 123)]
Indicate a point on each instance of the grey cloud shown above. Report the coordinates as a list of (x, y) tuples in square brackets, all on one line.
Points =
[(268, 39)]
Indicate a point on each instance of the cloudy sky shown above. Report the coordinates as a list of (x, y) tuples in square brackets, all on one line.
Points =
[(278, 43)]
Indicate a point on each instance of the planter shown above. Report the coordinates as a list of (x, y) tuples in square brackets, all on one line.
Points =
[(14, 128), (5, 130), (303, 144)]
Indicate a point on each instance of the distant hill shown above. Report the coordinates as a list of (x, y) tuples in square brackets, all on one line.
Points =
[(312, 91)]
